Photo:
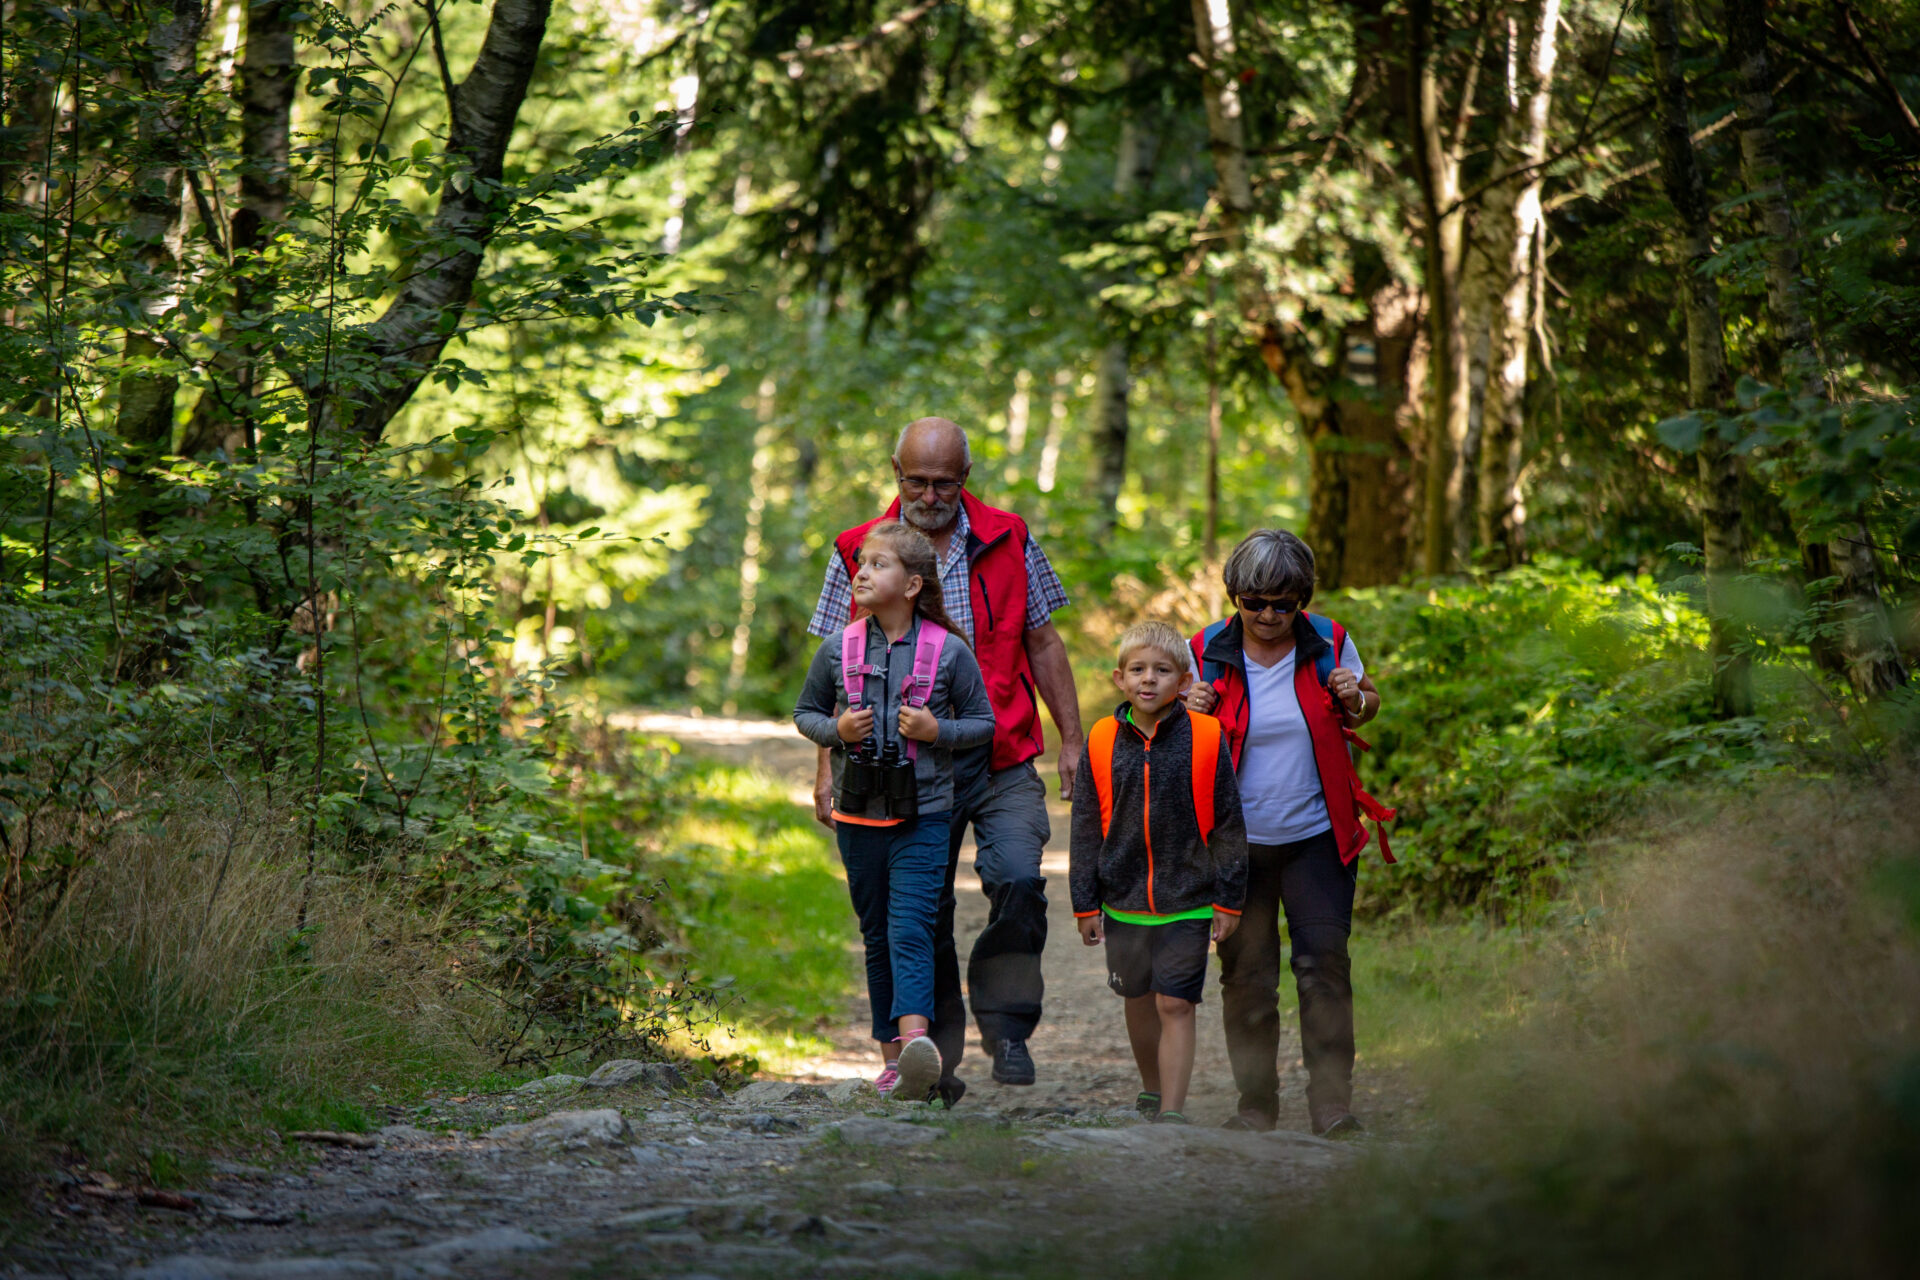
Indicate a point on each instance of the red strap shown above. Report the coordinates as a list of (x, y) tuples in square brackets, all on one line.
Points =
[(1100, 760), (1206, 763)]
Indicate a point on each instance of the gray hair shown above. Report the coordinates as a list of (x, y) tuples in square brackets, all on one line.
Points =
[(1270, 562), (966, 449)]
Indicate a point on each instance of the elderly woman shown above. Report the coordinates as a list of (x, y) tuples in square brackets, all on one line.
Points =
[(1289, 689)]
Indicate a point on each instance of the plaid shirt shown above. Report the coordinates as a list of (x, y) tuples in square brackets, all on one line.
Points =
[(1045, 595)]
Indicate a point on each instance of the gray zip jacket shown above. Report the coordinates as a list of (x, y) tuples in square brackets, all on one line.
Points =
[(959, 704)]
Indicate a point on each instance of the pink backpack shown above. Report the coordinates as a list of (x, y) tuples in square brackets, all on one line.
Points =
[(854, 667)]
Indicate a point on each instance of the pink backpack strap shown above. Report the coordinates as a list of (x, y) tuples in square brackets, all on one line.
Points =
[(926, 668), (853, 660)]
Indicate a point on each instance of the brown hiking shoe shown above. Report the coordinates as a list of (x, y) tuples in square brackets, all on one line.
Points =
[(1250, 1122), (1333, 1120)]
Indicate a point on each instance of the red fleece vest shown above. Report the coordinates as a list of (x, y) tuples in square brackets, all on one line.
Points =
[(997, 583), (1332, 756)]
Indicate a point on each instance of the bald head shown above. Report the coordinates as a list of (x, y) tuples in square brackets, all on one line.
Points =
[(935, 441), (931, 461)]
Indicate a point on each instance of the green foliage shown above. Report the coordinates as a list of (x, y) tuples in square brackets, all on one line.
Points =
[(1528, 713)]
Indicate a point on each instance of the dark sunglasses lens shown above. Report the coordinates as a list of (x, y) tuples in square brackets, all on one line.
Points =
[(1260, 604)]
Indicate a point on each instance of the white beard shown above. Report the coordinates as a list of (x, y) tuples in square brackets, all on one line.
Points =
[(929, 517)]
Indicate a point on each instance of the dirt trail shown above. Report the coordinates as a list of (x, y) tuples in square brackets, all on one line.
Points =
[(1080, 1046), (635, 1172)]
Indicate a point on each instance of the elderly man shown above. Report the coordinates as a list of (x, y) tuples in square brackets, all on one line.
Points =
[(999, 587)]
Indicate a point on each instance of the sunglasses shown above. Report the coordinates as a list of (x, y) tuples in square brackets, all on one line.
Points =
[(1260, 604)]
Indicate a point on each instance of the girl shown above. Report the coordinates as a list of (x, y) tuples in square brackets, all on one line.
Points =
[(893, 697)]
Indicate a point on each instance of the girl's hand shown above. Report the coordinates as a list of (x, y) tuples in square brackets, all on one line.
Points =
[(918, 723), (855, 724), (1090, 931), (1201, 697), (1224, 923)]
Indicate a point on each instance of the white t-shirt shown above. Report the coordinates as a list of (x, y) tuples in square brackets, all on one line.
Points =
[(1279, 782)]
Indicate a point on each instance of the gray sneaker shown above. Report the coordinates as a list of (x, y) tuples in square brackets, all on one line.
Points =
[(919, 1066)]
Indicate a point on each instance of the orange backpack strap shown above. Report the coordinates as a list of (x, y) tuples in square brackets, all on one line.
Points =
[(1100, 760), (1206, 762)]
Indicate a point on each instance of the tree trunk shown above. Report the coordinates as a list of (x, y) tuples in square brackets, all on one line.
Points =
[(1436, 170), (401, 346), (752, 542), (1377, 466), (1708, 387), (268, 75), (1868, 654), (1132, 173), (156, 230), (1513, 322), (1286, 353)]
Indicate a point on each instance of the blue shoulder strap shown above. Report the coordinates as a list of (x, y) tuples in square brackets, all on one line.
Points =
[(1330, 656), (1211, 671)]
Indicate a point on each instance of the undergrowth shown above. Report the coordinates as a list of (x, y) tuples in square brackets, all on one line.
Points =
[(1717, 1071)]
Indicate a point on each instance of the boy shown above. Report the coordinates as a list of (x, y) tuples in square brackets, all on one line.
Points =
[(1159, 857)]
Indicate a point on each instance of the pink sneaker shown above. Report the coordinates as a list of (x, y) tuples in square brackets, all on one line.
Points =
[(885, 1082)]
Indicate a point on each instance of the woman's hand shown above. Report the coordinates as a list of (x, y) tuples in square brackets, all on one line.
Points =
[(1345, 686), (855, 723), (918, 724), (1201, 697)]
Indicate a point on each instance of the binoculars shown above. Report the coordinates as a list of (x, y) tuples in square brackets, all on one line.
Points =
[(872, 771)]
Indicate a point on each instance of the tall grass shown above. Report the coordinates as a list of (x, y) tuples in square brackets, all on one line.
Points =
[(173, 998), (1719, 1072)]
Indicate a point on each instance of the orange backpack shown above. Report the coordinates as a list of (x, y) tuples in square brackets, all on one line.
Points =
[(1206, 761)]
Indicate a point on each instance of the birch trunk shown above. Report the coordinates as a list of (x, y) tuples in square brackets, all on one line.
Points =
[(268, 73), (1708, 387), (1499, 500), (156, 230), (1868, 652)]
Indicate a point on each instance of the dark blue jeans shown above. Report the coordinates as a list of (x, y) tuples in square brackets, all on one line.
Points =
[(894, 875)]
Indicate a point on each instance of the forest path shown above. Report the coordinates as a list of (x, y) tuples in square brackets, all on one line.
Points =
[(1080, 1046), (637, 1173)]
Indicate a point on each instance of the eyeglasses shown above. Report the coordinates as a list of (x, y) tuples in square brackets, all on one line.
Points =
[(916, 485), (1260, 604)]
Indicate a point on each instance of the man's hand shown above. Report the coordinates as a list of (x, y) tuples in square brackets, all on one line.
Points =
[(1201, 697), (1092, 931), (1224, 923), (823, 791), (1069, 767), (918, 724), (855, 724)]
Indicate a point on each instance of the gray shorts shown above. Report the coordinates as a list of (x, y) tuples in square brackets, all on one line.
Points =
[(1008, 811)]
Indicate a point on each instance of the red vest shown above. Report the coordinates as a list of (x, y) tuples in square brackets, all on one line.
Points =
[(997, 582), (1332, 754)]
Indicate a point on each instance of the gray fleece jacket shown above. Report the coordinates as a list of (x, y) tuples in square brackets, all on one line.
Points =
[(1151, 858), (959, 704)]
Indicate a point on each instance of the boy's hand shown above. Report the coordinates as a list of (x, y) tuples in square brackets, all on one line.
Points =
[(855, 724), (1224, 923), (1091, 931), (918, 724)]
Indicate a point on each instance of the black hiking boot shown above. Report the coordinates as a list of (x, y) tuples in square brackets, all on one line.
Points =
[(1012, 1064), (947, 1094)]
